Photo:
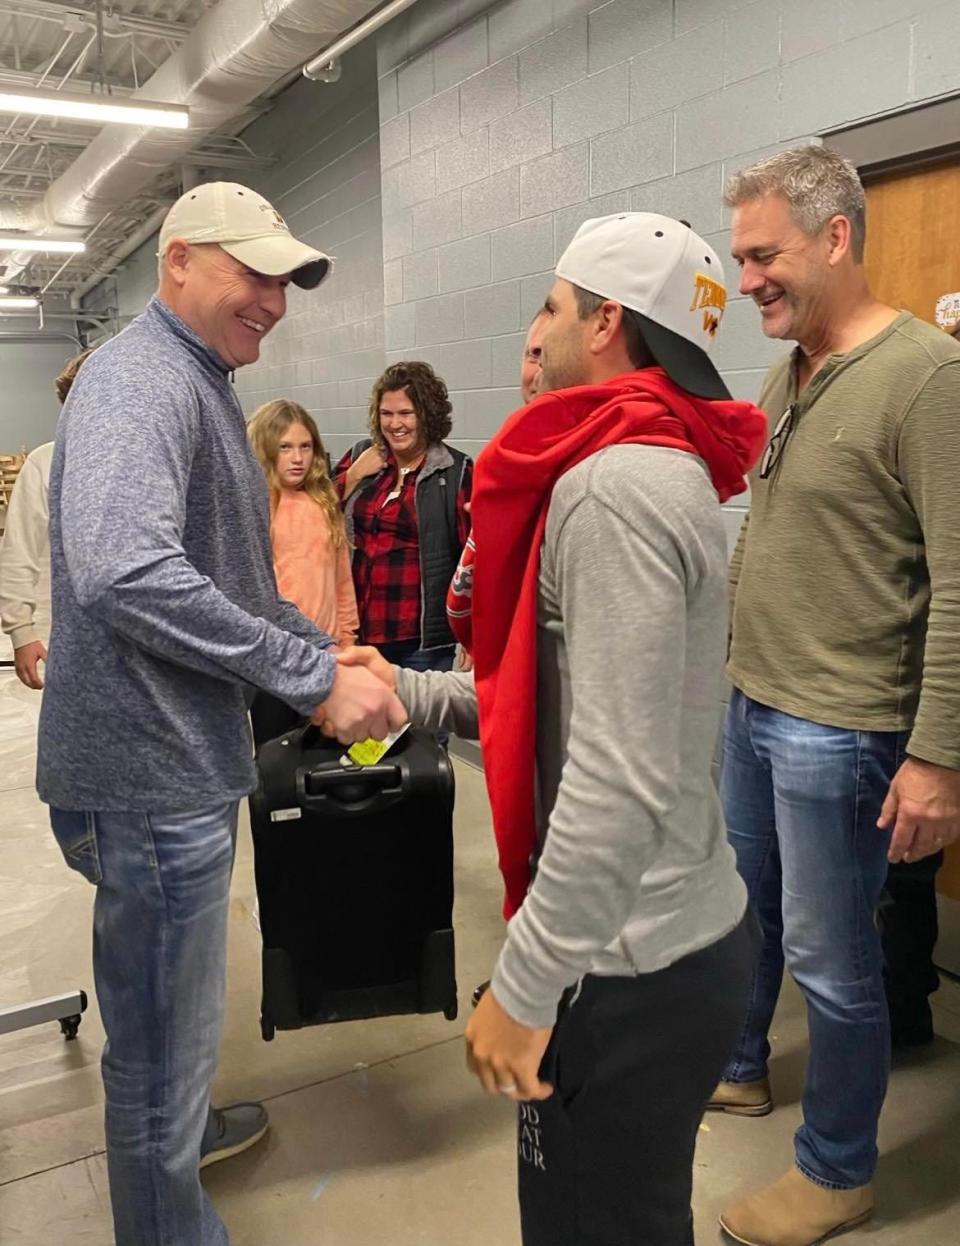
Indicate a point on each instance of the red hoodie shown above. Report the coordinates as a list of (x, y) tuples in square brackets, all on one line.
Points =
[(493, 598)]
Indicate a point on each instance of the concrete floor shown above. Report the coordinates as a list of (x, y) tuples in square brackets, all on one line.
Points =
[(378, 1134)]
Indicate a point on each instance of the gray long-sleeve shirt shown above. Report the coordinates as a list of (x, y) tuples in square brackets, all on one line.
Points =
[(166, 615), (634, 870)]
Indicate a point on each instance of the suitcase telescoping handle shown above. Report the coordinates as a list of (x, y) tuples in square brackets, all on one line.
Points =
[(361, 789)]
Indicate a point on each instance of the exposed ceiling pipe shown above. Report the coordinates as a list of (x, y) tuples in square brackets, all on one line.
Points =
[(31, 78), (325, 66), (235, 53), (40, 337), (130, 244)]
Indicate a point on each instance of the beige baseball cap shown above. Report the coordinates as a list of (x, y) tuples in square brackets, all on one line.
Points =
[(666, 273), (248, 228)]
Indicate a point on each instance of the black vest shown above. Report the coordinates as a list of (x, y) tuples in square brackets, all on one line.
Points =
[(436, 503)]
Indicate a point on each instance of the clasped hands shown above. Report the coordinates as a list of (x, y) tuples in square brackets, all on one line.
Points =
[(363, 703)]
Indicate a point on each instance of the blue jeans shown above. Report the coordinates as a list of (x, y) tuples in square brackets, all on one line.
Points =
[(159, 959), (801, 803)]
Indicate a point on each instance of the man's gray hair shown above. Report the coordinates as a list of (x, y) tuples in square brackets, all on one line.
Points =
[(816, 182)]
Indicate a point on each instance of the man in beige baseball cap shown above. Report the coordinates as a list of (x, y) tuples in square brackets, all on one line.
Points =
[(247, 227), (168, 619), (226, 258)]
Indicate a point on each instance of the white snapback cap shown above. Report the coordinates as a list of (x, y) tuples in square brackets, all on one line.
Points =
[(248, 228), (661, 269)]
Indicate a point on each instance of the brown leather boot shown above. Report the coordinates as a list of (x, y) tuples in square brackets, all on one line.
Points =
[(742, 1098), (795, 1211)]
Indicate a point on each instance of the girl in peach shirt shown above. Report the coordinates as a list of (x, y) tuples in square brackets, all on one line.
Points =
[(311, 555)]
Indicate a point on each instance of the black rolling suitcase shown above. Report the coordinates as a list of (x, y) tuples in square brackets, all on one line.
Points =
[(354, 870)]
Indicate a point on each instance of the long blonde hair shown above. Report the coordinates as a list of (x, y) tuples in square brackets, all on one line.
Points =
[(265, 430)]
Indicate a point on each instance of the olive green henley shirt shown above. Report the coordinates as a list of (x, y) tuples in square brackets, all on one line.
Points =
[(846, 576)]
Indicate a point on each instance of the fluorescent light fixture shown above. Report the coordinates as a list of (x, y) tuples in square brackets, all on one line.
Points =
[(99, 108), (58, 245), (17, 304)]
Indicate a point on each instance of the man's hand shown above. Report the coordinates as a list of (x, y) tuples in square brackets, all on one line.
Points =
[(360, 707), (923, 808), (372, 660), (25, 659), (462, 661), (504, 1054)]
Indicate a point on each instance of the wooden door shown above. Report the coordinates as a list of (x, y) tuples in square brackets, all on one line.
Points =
[(913, 244), (912, 261)]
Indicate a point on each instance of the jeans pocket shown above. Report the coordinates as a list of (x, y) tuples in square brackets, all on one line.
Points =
[(76, 835)]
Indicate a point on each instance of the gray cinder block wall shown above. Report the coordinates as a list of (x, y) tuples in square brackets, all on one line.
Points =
[(28, 364), (504, 126), (464, 145)]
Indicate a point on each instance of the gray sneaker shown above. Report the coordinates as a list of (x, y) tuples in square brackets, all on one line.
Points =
[(231, 1130)]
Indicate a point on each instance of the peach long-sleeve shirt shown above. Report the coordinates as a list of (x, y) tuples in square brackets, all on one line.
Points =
[(311, 573)]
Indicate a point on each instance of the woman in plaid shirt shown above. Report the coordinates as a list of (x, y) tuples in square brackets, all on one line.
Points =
[(406, 494)]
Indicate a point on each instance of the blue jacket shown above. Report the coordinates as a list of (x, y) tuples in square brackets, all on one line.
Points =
[(166, 615)]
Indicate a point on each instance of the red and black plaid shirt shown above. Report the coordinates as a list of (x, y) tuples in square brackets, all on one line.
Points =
[(386, 561)]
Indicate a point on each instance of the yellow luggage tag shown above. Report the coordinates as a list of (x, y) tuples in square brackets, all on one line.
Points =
[(369, 752)]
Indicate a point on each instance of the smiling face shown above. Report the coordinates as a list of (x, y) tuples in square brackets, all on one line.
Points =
[(295, 454), (400, 424), (786, 272), (231, 307)]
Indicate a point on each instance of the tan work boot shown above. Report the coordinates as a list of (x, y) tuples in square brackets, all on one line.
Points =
[(795, 1211), (742, 1098)]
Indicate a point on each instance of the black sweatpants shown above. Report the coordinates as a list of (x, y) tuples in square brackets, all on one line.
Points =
[(607, 1160)]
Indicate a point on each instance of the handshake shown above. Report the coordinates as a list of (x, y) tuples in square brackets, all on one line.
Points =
[(363, 703)]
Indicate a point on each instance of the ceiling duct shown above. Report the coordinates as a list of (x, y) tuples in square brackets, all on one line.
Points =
[(235, 53)]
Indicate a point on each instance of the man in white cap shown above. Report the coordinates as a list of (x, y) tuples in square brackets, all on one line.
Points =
[(598, 631), (167, 620)]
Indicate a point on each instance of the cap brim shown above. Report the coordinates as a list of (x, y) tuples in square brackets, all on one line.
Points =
[(686, 364), (277, 254)]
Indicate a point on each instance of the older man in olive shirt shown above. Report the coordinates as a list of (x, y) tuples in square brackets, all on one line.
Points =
[(842, 742)]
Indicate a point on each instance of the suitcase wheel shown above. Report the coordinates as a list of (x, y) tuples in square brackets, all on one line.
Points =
[(450, 1012), (267, 1029), (70, 1026)]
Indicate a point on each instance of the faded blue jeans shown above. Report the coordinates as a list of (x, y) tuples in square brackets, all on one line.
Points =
[(159, 959), (801, 803)]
